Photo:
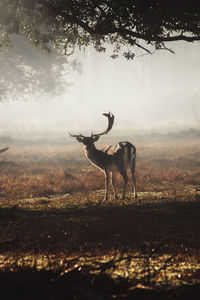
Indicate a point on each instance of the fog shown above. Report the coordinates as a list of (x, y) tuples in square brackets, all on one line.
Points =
[(158, 92)]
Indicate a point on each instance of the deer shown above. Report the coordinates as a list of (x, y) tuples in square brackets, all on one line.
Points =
[(111, 159), (4, 149)]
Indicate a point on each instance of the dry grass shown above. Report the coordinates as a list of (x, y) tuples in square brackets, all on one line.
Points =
[(36, 172), (50, 213)]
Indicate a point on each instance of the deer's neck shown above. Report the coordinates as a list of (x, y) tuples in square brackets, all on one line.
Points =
[(91, 151), (95, 156)]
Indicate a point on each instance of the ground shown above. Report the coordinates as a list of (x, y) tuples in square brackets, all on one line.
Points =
[(53, 224)]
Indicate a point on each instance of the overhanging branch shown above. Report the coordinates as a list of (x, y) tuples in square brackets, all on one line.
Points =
[(125, 33), (68, 17)]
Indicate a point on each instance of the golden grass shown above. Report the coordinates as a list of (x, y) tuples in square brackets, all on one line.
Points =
[(33, 172), (50, 212)]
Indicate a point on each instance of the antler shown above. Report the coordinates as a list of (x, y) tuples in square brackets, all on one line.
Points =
[(76, 135), (110, 117)]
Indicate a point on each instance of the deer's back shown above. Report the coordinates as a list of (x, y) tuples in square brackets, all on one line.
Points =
[(123, 153)]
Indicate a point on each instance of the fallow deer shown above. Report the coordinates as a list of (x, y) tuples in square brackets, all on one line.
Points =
[(110, 159), (4, 149)]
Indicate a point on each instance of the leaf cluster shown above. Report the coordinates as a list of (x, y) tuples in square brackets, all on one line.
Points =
[(129, 24)]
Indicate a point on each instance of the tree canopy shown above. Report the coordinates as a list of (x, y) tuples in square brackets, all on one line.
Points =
[(27, 73), (124, 24)]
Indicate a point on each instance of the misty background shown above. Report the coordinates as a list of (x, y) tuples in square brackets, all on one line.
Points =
[(44, 95)]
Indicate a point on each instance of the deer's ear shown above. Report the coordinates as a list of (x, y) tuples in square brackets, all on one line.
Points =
[(95, 138), (79, 139)]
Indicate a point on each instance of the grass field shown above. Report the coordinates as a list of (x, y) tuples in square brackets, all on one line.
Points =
[(52, 218), (37, 172)]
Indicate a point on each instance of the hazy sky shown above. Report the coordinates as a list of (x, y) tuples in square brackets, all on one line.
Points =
[(152, 91)]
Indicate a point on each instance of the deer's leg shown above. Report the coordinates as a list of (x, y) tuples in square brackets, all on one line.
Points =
[(125, 178), (114, 185), (106, 184), (134, 185), (134, 179)]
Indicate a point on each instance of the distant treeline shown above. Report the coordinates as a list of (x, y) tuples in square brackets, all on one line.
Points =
[(63, 139)]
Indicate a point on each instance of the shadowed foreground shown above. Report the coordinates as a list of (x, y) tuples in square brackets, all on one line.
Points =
[(153, 242), (46, 285), (162, 227)]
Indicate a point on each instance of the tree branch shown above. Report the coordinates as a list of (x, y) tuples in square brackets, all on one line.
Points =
[(121, 31), (68, 17), (158, 38)]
